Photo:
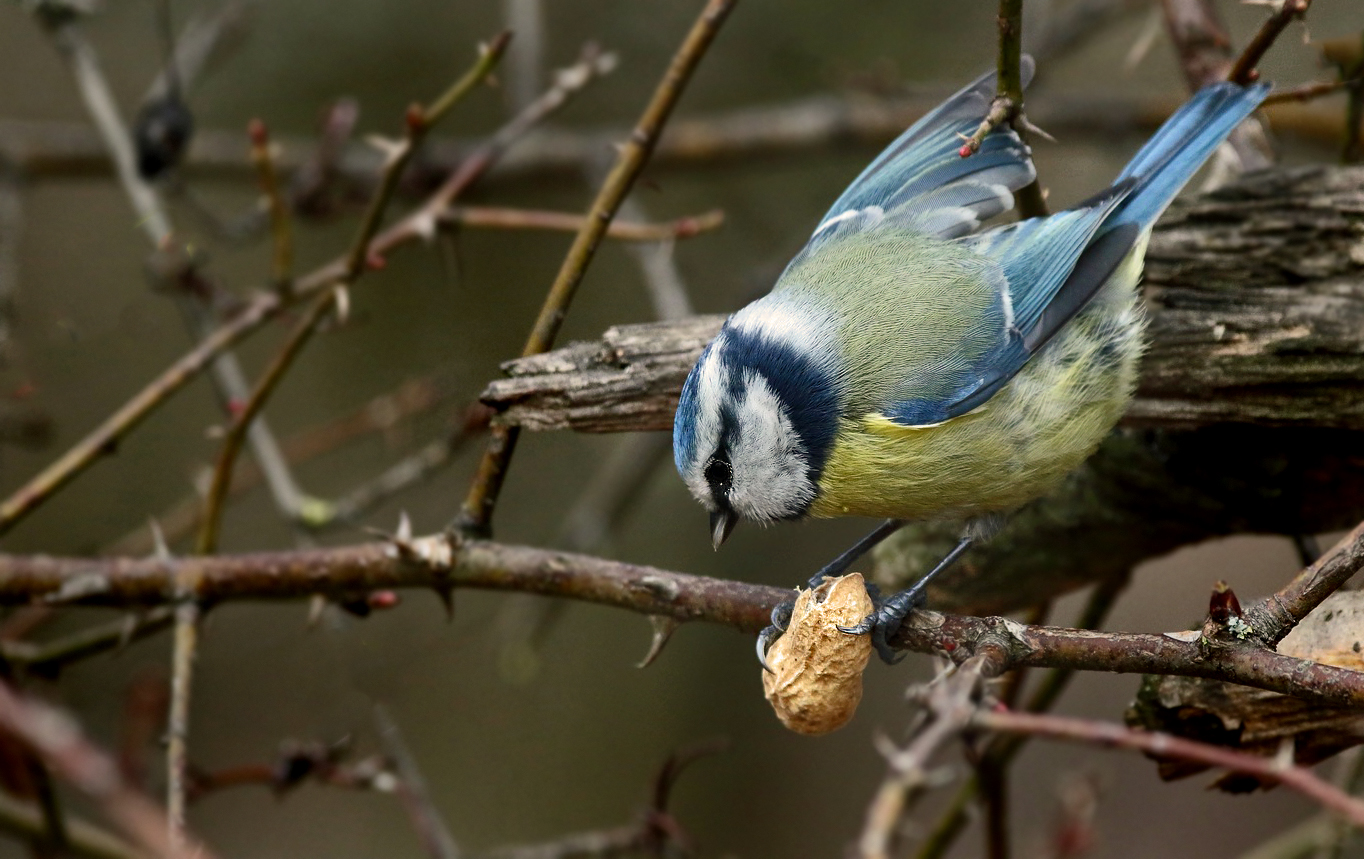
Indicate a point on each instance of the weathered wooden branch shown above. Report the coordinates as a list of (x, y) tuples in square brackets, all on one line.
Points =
[(1256, 295)]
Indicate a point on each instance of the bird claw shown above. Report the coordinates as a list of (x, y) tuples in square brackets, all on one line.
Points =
[(781, 618), (885, 620)]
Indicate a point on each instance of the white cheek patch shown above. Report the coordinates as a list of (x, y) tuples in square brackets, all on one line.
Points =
[(769, 461)]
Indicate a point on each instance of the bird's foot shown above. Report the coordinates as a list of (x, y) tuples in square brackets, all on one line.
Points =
[(781, 618), (885, 619)]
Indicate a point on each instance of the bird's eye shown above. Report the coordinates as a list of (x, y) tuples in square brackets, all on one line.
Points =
[(719, 474)]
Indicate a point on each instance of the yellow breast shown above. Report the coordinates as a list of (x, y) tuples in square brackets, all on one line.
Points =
[(1019, 445)]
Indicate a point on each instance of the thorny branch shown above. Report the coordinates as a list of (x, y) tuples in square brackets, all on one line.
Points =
[(476, 514), (281, 229), (1244, 71), (1000, 752), (656, 832), (437, 563), (265, 306), (155, 223), (419, 122), (950, 704), (1091, 732), (59, 742), (952, 708), (1008, 102)]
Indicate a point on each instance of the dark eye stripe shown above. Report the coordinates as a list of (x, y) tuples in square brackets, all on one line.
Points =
[(719, 475)]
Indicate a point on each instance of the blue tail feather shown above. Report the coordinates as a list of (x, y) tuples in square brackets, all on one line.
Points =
[(1172, 156)]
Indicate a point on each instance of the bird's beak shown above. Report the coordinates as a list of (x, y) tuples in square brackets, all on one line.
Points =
[(721, 523)]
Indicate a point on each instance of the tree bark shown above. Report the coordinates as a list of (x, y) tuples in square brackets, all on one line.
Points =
[(1256, 297)]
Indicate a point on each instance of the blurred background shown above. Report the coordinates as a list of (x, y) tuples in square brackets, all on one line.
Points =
[(529, 724)]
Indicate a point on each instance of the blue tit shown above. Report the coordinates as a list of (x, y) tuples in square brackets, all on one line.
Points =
[(908, 366)]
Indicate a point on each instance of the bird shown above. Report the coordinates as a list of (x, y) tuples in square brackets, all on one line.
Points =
[(164, 124), (910, 365)]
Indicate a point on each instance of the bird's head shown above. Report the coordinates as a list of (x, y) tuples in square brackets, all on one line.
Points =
[(756, 420)]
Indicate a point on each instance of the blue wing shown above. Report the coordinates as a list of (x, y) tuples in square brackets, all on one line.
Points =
[(921, 182), (1053, 266)]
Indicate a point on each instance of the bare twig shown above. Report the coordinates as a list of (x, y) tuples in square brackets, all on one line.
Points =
[(530, 219), (177, 722), (380, 414), (419, 123), (59, 742), (422, 811), (241, 423), (1308, 92), (1275, 616), (267, 305), (1205, 56), (281, 229), (999, 754), (1288, 774), (476, 515), (950, 704), (49, 658), (1243, 71), (84, 839), (103, 110), (154, 222), (1008, 102)]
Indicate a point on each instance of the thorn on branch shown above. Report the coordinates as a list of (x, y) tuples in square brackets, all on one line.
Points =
[(664, 627)]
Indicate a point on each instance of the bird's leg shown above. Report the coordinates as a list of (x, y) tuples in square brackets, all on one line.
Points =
[(838, 565), (891, 611), (781, 615)]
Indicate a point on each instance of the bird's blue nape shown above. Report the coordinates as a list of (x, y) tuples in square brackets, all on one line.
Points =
[(684, 423)]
